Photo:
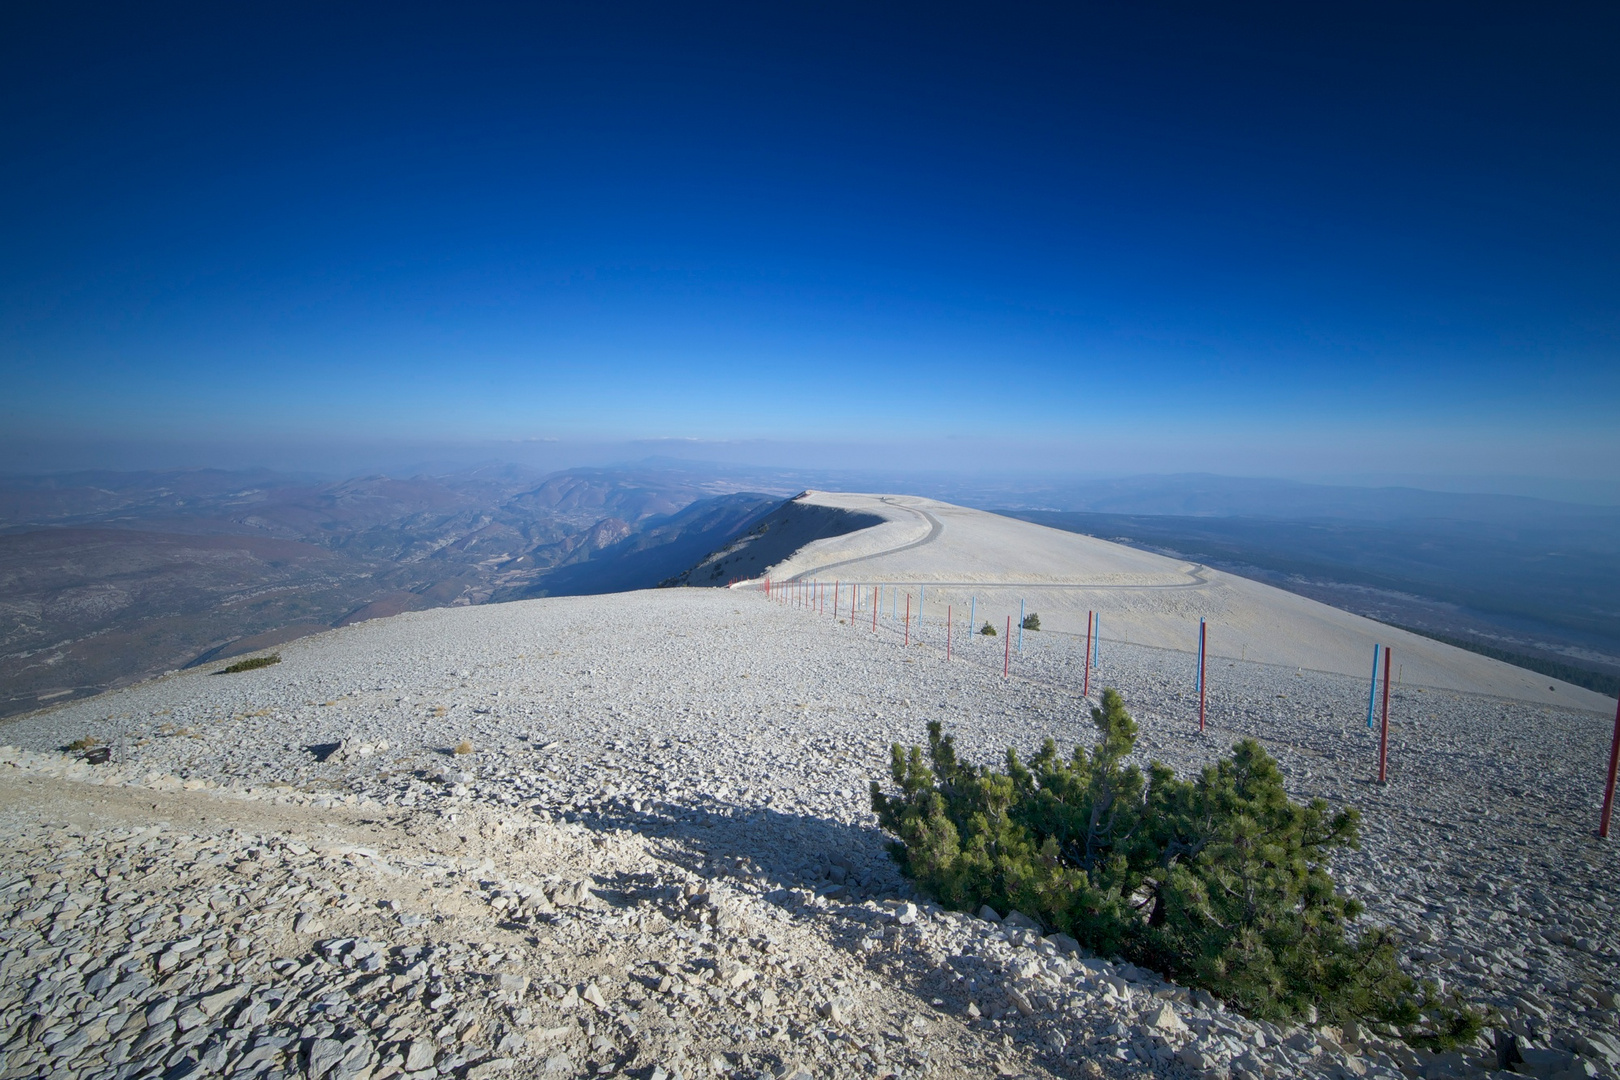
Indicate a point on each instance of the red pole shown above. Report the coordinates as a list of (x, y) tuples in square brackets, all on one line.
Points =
[(1006, 661), (874, 608), (948, 637), (1086, 691), (1383, 735), (1201, 640), (908, 618), (1608, 791)]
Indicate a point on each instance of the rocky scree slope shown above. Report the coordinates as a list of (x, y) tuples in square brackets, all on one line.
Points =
[(656, 860)]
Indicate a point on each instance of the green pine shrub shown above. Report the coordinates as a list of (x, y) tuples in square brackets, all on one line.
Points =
[(1032, 621), (251, 665), (1218, 882), (988, 629)]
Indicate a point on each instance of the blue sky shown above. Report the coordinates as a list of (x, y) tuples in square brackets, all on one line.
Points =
[(1358, 240)]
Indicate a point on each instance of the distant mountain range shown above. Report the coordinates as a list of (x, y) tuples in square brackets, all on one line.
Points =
[(109, 577)]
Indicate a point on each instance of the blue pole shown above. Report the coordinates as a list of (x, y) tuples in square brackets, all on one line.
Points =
[(1020, 626), (973, 607), (1198, 680), (1372, 694), (1096, 643), (922, 591)]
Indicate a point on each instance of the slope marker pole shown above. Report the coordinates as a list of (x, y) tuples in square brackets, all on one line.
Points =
[(973, 611), (1020, 626), (1006, 659), (874, 609), (1383, 737), (948, 646), (835, 601), (1372, 690), (1608, 790), (908, 619), (1201, 654), (1086, 690)]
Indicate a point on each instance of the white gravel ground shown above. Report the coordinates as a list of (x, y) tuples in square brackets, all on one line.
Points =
[(720, 745), (944, 556)]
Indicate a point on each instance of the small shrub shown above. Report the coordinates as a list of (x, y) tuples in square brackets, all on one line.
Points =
[(463, 747), (89, 742), (987, 629), (1032, 621), (250, 665), (1219, 881)]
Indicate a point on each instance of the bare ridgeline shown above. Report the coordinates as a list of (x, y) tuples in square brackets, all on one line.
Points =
[(654, 856)]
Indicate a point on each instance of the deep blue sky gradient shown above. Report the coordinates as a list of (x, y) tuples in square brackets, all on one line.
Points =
[(1290, 239)]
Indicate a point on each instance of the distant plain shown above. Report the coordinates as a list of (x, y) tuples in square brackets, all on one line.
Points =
[(107, 578)]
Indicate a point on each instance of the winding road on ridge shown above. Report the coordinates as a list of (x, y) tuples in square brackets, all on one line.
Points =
[(936, 528)]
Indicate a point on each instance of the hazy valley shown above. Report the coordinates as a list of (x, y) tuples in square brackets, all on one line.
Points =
[(106, 578)]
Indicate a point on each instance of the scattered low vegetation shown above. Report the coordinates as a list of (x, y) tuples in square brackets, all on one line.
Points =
[(250, 664), (1219, 881), (988, 629), (1032, 621), (89, 742), (463, 747)]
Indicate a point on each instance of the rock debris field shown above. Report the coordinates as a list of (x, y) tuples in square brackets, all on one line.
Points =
[(654, 857)]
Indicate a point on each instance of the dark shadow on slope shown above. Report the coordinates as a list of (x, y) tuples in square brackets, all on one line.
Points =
[(747, 846), (778, 851), (773, 538), (661, 547)]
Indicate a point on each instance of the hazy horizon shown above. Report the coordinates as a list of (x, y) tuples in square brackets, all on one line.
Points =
[(923, 462)]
